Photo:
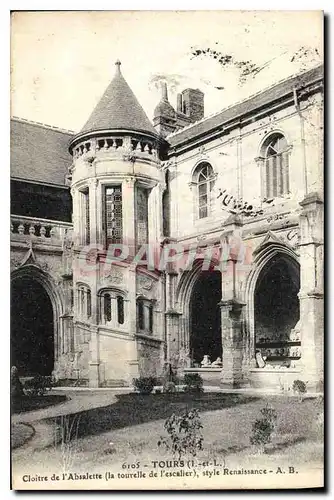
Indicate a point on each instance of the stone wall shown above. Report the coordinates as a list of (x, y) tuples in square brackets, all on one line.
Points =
[(150, 358)]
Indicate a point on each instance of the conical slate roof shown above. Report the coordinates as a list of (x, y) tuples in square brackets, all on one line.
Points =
[(118, 108)]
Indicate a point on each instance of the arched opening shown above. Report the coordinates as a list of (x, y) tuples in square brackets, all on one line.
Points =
[(276, 310), (32, 328), (205, 318), (204, 178), (275, 152)]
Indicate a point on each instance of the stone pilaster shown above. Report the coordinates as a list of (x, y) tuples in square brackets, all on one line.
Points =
[(311, 290)]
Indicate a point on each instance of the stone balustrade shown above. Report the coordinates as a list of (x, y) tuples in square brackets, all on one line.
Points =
[(41, 229), (110, 144)]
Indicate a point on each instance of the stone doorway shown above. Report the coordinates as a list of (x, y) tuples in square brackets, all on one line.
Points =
[(205, 318), (32, 328)]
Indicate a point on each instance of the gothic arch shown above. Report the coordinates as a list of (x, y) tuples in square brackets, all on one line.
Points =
[(34, 273), (268, 254), (187, 285)]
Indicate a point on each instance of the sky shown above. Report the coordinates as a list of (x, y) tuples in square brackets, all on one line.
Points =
[(61, 62)]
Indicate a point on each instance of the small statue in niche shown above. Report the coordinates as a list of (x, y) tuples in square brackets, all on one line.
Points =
[(205, 361), (217, 363)]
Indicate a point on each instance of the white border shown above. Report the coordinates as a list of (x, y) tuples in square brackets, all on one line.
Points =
[(6, 6)]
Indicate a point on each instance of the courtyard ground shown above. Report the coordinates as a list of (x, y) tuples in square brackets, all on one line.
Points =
[(112, 431)]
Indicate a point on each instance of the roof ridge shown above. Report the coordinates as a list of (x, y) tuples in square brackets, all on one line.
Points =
[(290, 77), (44, 125)]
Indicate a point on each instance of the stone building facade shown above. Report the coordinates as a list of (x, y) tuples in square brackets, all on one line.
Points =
[(191, 241)]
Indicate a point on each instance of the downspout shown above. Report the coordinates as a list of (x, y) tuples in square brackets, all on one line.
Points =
[(302, 137)]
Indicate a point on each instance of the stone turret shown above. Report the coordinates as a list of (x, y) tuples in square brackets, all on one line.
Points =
[(116, 187)]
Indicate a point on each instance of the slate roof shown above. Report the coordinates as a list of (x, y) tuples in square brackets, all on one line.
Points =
[(118, 108), (233, 112), (39, 152)]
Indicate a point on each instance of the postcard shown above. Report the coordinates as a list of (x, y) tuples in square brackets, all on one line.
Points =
[(167, 250)]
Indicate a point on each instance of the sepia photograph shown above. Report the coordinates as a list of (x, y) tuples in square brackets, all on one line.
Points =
[(167, 250)]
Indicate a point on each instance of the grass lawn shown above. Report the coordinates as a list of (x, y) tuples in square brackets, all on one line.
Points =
[(132, 427), (30, 403), (129, 429)]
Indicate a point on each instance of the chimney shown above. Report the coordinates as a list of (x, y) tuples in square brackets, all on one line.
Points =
[(179, 103), (193, 104), (164, 93)]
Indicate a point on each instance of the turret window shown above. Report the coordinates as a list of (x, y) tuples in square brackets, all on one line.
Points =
[(140, 312), (85, 217), (145, 313), (112, 308), (107, 307), (150, 318), (113, 215), (84, 301), (142, 216), (120, 309)]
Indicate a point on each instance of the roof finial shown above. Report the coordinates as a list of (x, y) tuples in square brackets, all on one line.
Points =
[(118, 65)]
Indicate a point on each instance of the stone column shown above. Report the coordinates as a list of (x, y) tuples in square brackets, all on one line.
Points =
[(231, 306), (232, 341), (311, 290)]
